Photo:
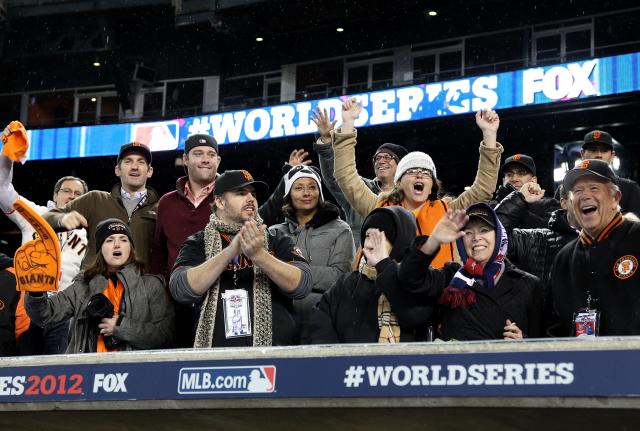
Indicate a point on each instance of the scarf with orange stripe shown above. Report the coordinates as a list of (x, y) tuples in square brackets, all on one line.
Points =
[(458, 293)]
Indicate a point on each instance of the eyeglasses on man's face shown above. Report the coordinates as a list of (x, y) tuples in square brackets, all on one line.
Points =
[(68, 191), (384, 157)]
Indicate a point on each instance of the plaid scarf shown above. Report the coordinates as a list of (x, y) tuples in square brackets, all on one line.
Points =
[(458, 293), (262, 330)]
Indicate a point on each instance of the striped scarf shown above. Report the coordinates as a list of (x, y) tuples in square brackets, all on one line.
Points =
[(262, 329)]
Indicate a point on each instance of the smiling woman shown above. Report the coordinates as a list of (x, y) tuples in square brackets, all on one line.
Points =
[(321, 237), (114, 306)]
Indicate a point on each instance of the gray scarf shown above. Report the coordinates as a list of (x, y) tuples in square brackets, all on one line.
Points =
[(262, 330)]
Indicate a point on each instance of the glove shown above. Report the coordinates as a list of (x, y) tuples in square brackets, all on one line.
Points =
[(15, 142), (37, 262)]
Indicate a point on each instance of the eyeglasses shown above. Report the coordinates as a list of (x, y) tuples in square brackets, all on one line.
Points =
[(70, 192), (413, 172), (384, 157)]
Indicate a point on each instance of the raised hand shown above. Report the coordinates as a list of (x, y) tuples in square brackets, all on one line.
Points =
[(299, 157), (448, 229), (375, 247), (321, 118), (532, 192), (488, 121), (351, 110)]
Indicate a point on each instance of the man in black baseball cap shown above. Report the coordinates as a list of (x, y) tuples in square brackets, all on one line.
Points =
[(599, 270), (598, 145), (521, 197), (243, 275)]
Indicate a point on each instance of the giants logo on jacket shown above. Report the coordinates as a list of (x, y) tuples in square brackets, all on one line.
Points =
[(625, 267)]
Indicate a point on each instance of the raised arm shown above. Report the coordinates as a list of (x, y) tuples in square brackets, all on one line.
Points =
[(359, 196), (487, 175)]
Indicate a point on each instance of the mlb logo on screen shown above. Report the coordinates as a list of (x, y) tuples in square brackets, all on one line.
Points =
[(258, 379)]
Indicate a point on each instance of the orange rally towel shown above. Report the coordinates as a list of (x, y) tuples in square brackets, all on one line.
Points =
[(15, 142)]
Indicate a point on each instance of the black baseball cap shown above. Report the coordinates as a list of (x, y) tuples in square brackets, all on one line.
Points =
[(598, 168), (135, 147), (520, 159), (200, 140), (598, 137), (483, 212), (236, 179)]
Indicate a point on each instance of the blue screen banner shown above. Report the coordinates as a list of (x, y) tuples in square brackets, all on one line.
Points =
[(545, 373), (534, 86)]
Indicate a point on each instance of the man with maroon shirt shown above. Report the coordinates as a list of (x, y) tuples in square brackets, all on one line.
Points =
[(187, 210)]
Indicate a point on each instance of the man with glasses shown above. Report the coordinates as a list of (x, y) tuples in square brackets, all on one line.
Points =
[(73, 243), (520, 183), (385, 162)]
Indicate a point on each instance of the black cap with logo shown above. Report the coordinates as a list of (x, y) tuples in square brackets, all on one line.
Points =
[(135, 147), (598, 137), (235, 179), (483, 213), (598, 168), (200, 140), (520, 159)]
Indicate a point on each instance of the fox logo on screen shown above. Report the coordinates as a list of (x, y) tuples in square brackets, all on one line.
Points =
[(559, 82)]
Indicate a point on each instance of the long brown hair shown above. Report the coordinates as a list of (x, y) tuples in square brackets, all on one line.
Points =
[(99, 265)]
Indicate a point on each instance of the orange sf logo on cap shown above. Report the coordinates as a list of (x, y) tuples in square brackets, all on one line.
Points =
[(597, 134), (247, 176), (584, 164), (517, 157)]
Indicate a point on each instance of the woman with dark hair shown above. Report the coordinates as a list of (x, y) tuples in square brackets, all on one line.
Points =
[(319, 234), (114, 306), (416, 182), (486, 297)]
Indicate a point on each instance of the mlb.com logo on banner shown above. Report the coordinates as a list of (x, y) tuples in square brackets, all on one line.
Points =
[(258, 379)]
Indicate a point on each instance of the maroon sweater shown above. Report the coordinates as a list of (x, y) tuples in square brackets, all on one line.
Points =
[(177, 219)]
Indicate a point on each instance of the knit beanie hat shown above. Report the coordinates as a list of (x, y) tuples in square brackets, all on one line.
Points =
[(108, 227), (381, 220), (301, 171), (415, 159), (396, 150)]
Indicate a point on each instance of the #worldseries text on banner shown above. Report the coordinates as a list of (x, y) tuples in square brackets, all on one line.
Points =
[(558, 83), (526, 374)]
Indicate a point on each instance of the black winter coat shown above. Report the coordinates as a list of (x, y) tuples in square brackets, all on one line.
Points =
[(533, 250), (517, 297), (536, 215), (9, 298)]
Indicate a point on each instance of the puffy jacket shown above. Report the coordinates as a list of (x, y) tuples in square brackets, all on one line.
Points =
[(533, 250), (536, 215)]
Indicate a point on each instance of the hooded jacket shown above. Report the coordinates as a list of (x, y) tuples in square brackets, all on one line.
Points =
[(348, 312)]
